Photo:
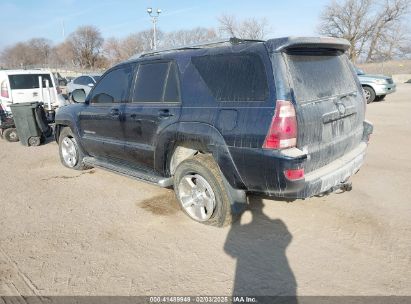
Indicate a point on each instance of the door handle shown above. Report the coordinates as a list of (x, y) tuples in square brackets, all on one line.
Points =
[(114, 112), (165, 113)]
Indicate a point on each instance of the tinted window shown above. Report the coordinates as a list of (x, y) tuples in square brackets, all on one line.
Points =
[(87, 80), (78, 80), (84, 80), (233, 77), (318, 75), (28, 81), (156, 82), (114, 86), (171, 92)]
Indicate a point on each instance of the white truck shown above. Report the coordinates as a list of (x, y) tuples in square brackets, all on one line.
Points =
[(17, 86)]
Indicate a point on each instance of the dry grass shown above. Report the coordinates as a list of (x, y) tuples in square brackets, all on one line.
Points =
[(387, 67)]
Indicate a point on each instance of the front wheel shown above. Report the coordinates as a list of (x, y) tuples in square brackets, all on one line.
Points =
[(200, 190), (369, 94), (71, 155)]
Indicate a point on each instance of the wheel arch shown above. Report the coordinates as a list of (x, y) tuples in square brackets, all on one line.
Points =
[(193, 138), (368, 85)]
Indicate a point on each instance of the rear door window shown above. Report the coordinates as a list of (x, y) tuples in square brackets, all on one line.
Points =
[(319, 74), (157, 82), (233, 77), (28, 81)]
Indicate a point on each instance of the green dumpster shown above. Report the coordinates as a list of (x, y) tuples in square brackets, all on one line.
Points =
[(24, 115)]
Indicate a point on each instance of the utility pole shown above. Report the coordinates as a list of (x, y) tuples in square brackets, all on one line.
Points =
[(154, 19), (63, 29)]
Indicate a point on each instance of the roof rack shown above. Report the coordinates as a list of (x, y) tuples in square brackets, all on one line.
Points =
[(210, 44)]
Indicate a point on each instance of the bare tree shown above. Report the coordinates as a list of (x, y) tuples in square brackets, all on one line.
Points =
[(185, 37), (245, 29), (86, 44), (392, 43), (364, 23), (35, 52), (112, 50), (391, 14), (117, 50)]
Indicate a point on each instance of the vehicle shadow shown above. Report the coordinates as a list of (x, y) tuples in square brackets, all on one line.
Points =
[(260, 249)]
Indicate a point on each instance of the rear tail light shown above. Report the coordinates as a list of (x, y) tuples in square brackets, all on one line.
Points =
[(294, 174), (283, 129), (4, 90)]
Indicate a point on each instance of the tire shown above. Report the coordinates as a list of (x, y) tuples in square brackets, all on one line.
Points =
[(34, 141), (379, 98), (11, 135), (369, 94), (71, 155), (202, 175)]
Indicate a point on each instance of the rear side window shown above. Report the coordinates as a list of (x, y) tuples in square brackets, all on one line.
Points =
[(28, 81), (318, 74), (115, 86), (233, 77), (157, 82)]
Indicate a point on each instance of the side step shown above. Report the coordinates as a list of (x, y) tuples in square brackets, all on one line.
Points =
[(139, 173)]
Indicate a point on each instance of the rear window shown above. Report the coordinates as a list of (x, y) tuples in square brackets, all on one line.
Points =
[(28, 81), (233, 77), (319, 75)]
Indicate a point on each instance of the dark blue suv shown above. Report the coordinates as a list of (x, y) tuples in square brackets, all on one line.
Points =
[(282, 117)]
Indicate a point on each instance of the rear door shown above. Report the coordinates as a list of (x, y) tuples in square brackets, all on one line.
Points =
[(155, 105), (329, 103)]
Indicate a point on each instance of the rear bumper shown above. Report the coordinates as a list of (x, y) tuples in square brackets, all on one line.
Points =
[(333, 174), (263, 170)]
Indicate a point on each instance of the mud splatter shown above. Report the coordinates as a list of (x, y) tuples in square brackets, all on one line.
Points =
[(165, 204), (68, 177)]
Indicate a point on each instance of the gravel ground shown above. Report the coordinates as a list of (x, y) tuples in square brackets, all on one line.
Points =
[(64, 232)]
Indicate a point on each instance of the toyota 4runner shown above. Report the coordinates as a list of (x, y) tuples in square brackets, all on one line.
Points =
[(282, 117)]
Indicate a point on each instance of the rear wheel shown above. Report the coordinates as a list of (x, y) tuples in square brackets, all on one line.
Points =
[(71, 155), (369, 94), (34, 141), (200, 190), (11, 135)]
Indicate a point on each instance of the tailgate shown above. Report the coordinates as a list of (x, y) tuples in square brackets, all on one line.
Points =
[(329, 103)]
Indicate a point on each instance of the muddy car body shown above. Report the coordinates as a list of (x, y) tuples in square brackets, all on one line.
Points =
[(283, 117)]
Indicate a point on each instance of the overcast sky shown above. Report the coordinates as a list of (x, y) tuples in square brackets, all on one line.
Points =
[(25, 19)]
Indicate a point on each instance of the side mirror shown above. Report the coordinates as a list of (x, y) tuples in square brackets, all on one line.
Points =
[(91, 85), (78, 96)]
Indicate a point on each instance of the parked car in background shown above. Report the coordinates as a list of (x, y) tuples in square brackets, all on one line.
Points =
[(219, 122), (29, 85), (70, 79), (375, 87), (85, 82)]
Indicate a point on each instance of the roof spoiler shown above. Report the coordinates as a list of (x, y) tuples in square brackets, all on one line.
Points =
[(282, 44)]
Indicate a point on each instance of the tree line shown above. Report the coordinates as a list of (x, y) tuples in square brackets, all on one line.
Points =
[(86, 48), (377, 30)]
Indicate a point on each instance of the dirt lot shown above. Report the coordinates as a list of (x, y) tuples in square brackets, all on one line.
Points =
[(64, 232)]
